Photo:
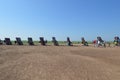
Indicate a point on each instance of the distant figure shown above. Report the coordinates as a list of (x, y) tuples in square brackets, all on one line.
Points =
[(1, 42), (109, 44), (15, 42), (95, 43), (119, 42)]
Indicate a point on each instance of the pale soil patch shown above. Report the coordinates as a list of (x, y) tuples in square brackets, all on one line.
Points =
[(59, 63)]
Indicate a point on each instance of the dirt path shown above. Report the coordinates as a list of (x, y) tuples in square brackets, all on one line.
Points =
[(59, 63)]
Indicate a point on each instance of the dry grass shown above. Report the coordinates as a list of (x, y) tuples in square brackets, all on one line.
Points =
[(59, 63)]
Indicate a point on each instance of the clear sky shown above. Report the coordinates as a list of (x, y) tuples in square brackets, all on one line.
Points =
[(60, 18)]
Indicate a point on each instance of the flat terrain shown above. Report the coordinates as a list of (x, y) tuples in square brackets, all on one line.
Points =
[(59, 63)]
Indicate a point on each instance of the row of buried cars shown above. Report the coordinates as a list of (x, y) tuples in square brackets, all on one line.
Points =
[(43, 42), (18, 41), (98, 42)]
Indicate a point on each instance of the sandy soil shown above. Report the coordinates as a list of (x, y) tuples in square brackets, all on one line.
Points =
[(59, 63)]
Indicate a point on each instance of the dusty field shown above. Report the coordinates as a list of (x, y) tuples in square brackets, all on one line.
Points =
[(59, 63)]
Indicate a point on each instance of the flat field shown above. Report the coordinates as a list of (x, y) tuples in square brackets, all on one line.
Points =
[(59, 63)]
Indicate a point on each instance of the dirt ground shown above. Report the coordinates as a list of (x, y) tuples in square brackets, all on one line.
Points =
[(59, 63)]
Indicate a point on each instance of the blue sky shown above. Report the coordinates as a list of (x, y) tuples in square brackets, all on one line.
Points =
[(60, 18)]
